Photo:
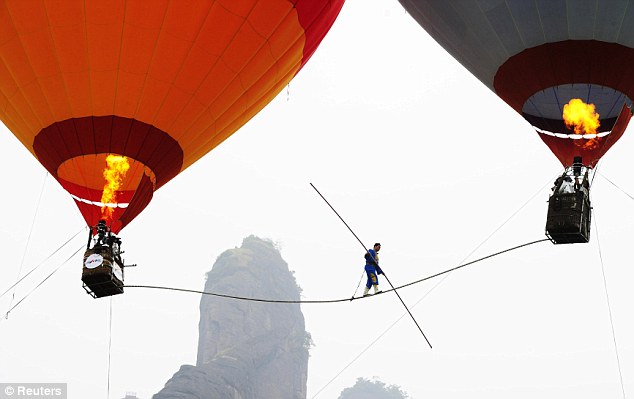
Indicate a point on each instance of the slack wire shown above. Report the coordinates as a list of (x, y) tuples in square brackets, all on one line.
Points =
[(368, 297), (384, 275), (242, 298)]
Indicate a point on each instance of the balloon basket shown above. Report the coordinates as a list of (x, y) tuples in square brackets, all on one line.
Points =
[(568, 219), (102, 273)]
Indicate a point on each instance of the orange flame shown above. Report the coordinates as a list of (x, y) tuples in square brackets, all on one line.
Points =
[(582, 116), (589, 144), (117, 167)]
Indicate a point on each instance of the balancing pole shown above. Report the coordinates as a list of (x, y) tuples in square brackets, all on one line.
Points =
[(366, 250)]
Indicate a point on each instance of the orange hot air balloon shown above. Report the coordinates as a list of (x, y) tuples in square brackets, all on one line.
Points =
[(159, 83), (539, 55)]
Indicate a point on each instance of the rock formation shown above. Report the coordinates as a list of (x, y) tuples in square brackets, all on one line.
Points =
[(247, 349), (373, 389)]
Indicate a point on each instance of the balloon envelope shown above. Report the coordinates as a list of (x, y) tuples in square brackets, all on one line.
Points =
[(159, 82), (538, 55)]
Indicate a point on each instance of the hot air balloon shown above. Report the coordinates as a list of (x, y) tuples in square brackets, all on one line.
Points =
[(565, 66), (116, 98)]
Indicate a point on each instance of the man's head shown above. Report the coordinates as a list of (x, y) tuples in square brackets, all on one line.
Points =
[(377, 246)]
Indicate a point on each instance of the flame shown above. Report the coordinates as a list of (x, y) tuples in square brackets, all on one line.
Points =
[(115, 171), (589, 144), (582, 116)]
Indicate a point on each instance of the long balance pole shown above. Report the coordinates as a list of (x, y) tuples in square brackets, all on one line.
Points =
[(366, 249)]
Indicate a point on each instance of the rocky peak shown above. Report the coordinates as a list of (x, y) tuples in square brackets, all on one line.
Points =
[(247, 349)]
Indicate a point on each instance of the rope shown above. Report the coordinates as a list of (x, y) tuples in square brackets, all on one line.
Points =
[(109, 348), (242, 298), (333, 300), (472, 262), (607, 140), (358, 356), (41, 263), (28, 239), (611, 182), (509, 218), (43, 281), (361, 297), (371, 344), (416, 303), (438, 283), (607, 298), (596, 171), (384, 275)]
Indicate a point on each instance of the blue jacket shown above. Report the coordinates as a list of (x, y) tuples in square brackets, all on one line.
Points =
[(371, 262)]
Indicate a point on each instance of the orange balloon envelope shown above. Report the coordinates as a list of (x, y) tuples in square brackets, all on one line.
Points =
[(159, 82), (539, 55)]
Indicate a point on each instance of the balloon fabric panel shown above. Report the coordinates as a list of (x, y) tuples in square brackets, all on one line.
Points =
[(161, 83), (537, 56)]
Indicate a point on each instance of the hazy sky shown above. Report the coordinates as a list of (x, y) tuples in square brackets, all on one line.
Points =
[(412, 151)]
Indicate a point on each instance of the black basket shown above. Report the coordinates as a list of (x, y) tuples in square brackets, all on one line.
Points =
[(568, 219), (106, 279)]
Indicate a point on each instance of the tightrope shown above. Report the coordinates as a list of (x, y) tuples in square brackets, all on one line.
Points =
[(242, 298)]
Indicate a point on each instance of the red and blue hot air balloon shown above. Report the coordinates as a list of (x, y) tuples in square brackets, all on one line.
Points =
[(541, 56)]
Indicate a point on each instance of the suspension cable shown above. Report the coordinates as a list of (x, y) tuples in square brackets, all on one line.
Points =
[(41, 263), (28, 239), (43, 281), (359, 355), (605, 142), (607, 299), (614, 184), (109, 347)]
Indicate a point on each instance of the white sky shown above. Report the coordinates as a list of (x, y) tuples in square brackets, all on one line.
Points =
[(412, 151)]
